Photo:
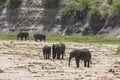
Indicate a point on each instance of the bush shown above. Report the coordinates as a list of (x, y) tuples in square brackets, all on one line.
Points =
[(50, 3), (12, 4), (94, 12), (86, 29), (118, 50), (83, 4), (67, 11), (116, 6), (110, 2)]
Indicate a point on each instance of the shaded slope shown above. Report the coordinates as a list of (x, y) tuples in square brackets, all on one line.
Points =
[(111, 28)]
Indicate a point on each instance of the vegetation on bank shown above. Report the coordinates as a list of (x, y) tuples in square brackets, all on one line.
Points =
[(78, 39), (67, 11), (92, 8), (12, 4)]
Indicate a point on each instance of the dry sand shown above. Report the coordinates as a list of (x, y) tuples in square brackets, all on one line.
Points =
[(23, 60)]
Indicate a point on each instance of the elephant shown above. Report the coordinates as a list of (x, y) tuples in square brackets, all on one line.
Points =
[(22, 35), (80, 54), (58, 50), (39, 37), (46, 52)]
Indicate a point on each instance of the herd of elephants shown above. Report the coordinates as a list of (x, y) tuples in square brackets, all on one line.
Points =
[(58, 50)]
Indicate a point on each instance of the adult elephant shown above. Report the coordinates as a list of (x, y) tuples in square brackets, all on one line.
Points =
[(46, 52), (39, 37), (58, 50), (80, 54), (22, 35)]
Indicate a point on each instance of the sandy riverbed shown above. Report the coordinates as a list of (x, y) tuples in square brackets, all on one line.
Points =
[(23, 60)]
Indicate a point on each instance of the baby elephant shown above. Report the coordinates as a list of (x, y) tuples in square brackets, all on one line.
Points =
[(80, 54), (46, 52)]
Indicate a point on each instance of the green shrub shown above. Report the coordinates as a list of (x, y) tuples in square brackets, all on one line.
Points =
[(67, 11), (94, 12), (116, 6), (50, 3), (83, 4), (110, 2), (12, 4), (118, 50)]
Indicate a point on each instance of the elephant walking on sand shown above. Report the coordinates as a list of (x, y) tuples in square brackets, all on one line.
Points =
[(22, 35), (58, 50), (80, 54), (39, 37), (46, 52)]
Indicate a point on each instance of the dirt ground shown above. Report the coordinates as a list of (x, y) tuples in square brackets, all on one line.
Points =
[(23, 60)]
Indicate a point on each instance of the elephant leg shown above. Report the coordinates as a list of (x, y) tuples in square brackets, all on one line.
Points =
[(88, 64), (58, 56), (62, 56), (40, 39), (77, 62), (54, 55), (44, 55), (85, 63), (21, 38), (35, 39), (47, 56)]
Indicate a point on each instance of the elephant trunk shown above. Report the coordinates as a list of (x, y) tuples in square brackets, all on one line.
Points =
[(70, 57)]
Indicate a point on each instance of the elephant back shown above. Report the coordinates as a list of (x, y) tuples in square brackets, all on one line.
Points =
[(39, 36), (60, 47)]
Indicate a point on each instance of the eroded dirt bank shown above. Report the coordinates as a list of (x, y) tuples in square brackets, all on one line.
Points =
[(24, 61)]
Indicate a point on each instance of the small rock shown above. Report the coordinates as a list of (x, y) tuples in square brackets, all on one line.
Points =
[(1, 71)]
